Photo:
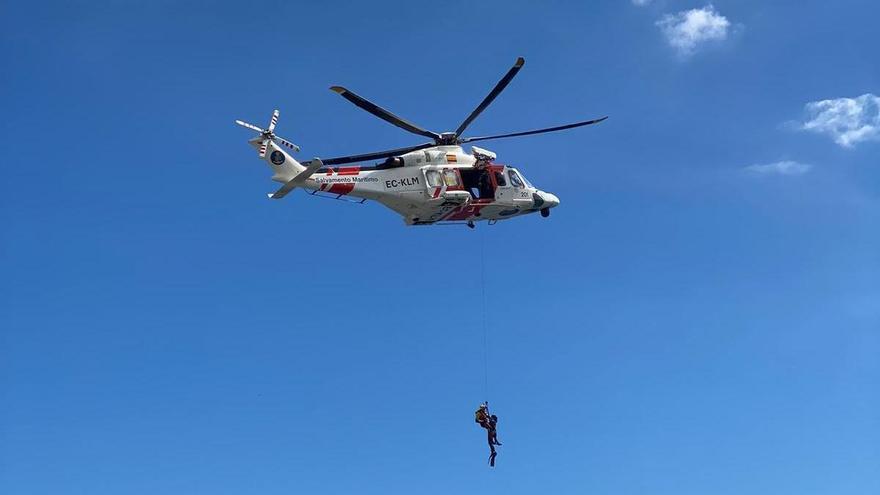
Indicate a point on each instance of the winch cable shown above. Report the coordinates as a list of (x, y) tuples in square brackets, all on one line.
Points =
[(483, 310)]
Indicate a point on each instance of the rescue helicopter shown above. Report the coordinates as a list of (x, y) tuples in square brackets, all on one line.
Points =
[(436, 182)]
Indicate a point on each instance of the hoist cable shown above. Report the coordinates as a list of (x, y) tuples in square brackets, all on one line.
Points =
[(483, 309)]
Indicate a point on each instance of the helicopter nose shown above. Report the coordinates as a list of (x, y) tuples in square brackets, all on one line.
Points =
[(550, 200), (545, 201)]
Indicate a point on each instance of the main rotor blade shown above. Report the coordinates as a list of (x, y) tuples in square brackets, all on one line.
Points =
[(379, 154), (492, 95), (382, 113), (249, 126), (537, 131)]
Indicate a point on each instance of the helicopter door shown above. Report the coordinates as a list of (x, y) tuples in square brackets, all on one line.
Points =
[(503, 190), (519, 194)]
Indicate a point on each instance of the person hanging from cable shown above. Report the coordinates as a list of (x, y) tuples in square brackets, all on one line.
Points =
[(493, 438), (481, 415), (490, 423), (493, 430)]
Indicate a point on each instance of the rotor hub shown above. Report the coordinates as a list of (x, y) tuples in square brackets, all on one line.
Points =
[(448, 138)]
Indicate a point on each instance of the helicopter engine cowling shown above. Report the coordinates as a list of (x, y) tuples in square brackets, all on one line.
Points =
[(413, 159), (483, 155)]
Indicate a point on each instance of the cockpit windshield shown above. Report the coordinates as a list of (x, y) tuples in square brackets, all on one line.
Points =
[(521, 176)]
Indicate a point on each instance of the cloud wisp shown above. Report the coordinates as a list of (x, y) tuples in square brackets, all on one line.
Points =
[(688, 29), (848, 121), (641, 3), (784, 167)]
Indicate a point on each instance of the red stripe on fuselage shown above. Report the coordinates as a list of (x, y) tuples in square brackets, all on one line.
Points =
[(341, 188), (348, 170), (463, 213)]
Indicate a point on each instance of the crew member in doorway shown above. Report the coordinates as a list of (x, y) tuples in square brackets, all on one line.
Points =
[(484, 184)]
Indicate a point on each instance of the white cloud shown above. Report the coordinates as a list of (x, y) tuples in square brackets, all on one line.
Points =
[(848, 121), (784, 167), (641, 2), (689, 28)]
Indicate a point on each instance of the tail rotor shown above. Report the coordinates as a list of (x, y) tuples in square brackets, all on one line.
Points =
[(273, 120), (268, 135)]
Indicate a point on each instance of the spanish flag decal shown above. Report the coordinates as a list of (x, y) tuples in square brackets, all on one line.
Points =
[(451, 158)]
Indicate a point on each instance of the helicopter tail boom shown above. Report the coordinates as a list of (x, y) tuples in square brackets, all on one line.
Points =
[(298, 180)]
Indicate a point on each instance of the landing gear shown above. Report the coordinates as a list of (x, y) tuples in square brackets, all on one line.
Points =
[(545, 212), (470, 224)]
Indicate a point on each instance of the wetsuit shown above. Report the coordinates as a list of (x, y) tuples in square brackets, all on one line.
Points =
[(493, 432), (492, 437)]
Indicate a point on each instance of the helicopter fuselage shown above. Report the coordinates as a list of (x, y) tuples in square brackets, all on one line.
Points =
[(439, 184)]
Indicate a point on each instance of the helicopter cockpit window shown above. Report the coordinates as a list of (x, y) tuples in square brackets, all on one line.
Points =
[(433, 178), (499, 179), (525, 181), (514, 178), (450, 178)]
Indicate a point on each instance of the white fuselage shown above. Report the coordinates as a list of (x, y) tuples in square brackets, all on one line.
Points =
[(438, 184)]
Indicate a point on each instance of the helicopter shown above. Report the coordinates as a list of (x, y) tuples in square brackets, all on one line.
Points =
[(436, 182)]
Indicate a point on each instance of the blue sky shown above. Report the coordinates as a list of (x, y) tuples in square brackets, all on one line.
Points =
[(700, 315)]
